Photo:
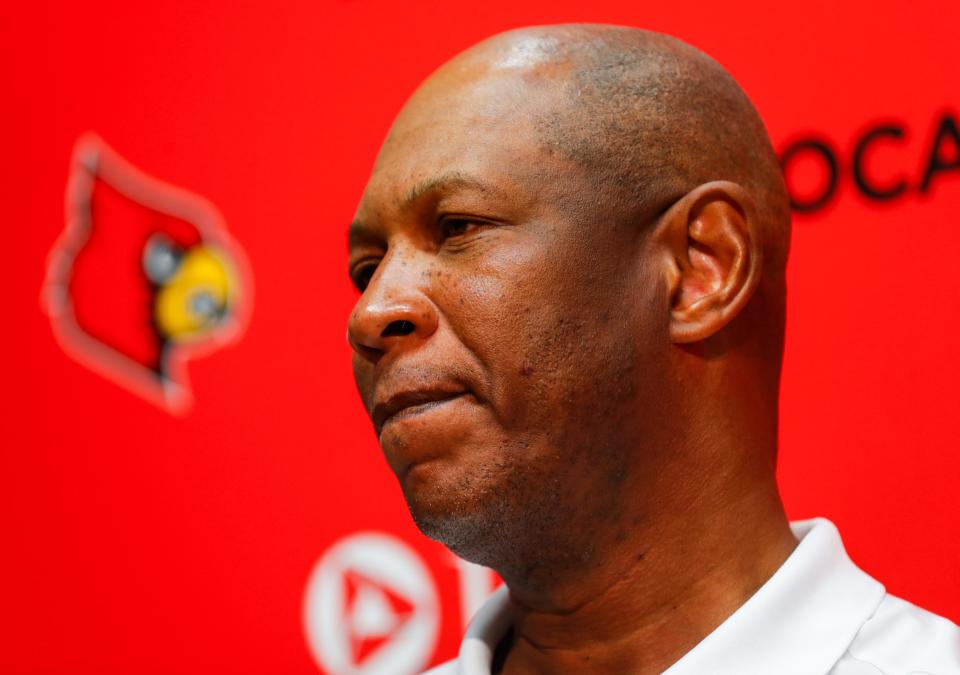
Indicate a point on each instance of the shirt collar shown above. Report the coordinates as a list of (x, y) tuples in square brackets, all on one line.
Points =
[(802, 619), (486, 629), (800, 622)]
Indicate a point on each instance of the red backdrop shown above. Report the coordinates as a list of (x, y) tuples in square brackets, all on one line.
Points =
[(138, 541)]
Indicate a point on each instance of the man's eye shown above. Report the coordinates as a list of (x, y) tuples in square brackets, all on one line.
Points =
[(362, 275), (454, 227)]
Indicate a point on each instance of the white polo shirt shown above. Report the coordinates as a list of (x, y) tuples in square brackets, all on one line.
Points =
[(819, 614)]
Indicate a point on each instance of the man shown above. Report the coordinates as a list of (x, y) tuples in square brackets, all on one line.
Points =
[(571, 254)]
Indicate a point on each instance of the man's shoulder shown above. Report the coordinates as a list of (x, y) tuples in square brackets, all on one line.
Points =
[(902, 638), (899, 639)]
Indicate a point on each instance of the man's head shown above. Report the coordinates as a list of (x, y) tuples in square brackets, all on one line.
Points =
[(571, 251)]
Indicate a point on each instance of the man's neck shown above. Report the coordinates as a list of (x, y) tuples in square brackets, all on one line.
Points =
[(640, 612)]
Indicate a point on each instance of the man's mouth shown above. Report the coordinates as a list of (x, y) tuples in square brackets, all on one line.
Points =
[(409, 403)]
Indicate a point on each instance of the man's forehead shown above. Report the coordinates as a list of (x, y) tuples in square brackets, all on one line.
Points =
[(470, 106), (471, 135)]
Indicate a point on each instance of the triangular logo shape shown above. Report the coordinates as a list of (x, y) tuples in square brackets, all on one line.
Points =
[(373, 612)]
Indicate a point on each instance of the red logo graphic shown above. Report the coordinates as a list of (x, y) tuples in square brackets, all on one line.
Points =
[(374, 613), (143, 278), (371, 608)]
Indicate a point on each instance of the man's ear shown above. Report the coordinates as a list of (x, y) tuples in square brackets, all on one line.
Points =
[(713, 256)]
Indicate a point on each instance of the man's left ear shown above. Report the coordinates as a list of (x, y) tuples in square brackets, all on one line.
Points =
[(713, 258)]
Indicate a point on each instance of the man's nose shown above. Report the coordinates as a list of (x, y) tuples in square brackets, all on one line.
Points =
[(394, 313)]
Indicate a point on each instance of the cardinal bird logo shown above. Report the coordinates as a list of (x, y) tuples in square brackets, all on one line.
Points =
[(143, 278)]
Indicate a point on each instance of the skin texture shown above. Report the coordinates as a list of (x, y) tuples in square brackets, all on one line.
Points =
[(571, 250)]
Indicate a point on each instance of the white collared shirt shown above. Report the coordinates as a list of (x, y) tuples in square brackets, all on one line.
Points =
[(819, 614)]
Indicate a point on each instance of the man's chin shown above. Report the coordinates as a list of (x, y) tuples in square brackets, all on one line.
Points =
[(468, 537), (455, 511)]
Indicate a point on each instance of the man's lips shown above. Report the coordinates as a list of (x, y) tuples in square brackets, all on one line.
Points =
[(406, 403)]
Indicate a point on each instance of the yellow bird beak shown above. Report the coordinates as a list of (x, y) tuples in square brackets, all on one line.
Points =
[(197, 296)]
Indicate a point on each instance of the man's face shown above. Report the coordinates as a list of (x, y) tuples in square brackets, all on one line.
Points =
[(506, 330)]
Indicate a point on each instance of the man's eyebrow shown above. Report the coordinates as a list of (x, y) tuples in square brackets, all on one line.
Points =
[(359, 232), (447, 181)]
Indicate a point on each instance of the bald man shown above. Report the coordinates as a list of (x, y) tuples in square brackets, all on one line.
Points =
[(571, 255)]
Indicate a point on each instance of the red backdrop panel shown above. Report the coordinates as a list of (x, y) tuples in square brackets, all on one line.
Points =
[(136, 541)]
